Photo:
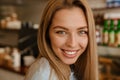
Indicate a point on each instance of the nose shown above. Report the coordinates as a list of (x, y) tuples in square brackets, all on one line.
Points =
[(71, 41)]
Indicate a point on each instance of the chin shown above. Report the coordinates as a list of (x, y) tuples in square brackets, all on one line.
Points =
[(69, 62)]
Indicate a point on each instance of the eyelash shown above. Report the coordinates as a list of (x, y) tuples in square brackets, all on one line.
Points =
[(81, 32), (60, 32)]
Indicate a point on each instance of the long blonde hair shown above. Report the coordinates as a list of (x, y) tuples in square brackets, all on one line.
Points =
[(85, 67)]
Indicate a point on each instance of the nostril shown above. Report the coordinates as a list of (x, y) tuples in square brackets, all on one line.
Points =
[(71, 42)]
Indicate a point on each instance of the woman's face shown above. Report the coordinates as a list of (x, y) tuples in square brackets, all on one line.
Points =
[(69, 34)]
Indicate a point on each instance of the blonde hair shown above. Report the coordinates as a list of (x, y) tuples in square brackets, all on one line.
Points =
[(85, 67)]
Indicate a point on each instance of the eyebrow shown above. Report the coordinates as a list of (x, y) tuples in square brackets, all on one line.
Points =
[(60, 27), (83, 27)]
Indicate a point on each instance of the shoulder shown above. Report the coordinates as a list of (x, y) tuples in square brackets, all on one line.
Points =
[(42, 63), (39, 70)]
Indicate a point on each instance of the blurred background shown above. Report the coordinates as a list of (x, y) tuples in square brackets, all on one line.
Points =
[(19, 22)]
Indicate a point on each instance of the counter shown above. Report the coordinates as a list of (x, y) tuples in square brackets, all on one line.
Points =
[(8, 75)]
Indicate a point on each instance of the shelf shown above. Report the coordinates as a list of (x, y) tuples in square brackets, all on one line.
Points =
[(106, 8), (16, 38), (109, 51)]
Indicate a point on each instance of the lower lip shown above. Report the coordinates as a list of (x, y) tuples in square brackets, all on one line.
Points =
[(69, 55)]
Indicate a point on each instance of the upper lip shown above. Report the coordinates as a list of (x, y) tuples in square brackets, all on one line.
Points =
[(70, 50)]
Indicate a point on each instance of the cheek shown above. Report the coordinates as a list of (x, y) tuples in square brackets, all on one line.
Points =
[(56, 41), (84, 42)]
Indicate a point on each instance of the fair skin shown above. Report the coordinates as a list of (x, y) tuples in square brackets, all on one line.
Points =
[(69, 34)]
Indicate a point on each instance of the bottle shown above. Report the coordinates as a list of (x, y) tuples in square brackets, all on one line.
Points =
[(16, 59), (105, 33), (109, 3), (98, 35), (118, 34), (3, 24), (111, 34), (14, 23)]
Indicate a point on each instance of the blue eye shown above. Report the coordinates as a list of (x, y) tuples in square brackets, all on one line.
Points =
[(61, 32), (83, 32)]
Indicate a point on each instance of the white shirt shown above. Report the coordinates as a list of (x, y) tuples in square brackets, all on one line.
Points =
[(43, 71)]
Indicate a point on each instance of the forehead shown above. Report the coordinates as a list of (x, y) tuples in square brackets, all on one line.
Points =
[(69, 10), (70, 17)]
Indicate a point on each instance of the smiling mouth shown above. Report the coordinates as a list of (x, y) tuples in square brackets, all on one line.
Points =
[(70, 52)]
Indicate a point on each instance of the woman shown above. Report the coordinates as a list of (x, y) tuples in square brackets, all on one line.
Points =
[(66, 41)]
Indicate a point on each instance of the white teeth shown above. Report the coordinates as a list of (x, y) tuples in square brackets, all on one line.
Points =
[(70, 52)]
